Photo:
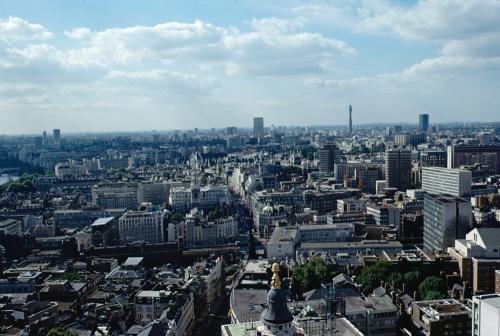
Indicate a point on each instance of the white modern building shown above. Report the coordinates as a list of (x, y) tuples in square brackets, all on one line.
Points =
[(384, 214), (454, 182), (141, 226), (351, 205), (70, 168), (282, 243), (486, 315)]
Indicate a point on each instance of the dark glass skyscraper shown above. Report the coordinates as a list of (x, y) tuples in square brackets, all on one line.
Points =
[(423, 122)]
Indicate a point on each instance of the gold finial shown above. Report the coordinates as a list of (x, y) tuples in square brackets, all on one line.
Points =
[(276, 282)]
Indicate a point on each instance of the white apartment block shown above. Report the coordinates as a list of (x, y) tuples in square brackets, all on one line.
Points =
[(70, 168), (454, 182), (220, 231), (350, 206), (486, 315), (141, 226)]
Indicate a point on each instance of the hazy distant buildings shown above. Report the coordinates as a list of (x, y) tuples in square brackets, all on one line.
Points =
[(397, 168), (468, 155), (234, 141), (258, 127), (485, 138), (423, 123), (57, 134), (446, 218), (113, 163), (454, 182), (231, 130)]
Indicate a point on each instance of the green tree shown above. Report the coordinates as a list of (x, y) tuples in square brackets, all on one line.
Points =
[(395, 279), (71, 276), (60, 332), (176, 217), (215, 214), (372, 276), (310, 275), (411, 281), (432, 288)]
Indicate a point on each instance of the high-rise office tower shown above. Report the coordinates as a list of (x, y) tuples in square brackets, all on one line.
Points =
[(57, 134), (231, 130), (327, 158), (454, 182), (446, 218), (258, 127), (350, 119), (38, 142), (423, 123), (397, 168)]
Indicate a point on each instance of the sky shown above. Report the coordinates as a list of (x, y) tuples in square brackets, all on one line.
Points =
[(122, 65)]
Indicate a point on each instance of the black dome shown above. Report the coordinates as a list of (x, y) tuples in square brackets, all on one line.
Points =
[(277, 309)]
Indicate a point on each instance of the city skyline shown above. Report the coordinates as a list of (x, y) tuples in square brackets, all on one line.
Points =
[(92, 66)]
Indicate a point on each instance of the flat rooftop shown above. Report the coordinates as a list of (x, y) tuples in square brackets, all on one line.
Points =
[(490, 299), (257, 266)]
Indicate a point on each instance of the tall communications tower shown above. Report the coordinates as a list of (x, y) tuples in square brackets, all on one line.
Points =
[(350, 119)]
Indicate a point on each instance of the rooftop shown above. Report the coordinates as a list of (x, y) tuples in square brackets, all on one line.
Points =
[(102, 221), (490, 299), (283, 234), (8, 222)]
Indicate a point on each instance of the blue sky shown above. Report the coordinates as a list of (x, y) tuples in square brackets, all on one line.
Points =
[(142, 65)]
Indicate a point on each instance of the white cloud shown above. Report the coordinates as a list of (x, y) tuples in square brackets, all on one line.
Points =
[(78, 33), (180, 83), (436, 19), (273, 48), (14, 28), (275, 25)]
